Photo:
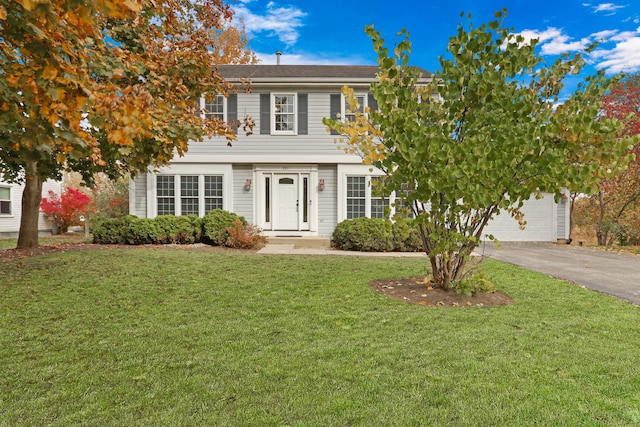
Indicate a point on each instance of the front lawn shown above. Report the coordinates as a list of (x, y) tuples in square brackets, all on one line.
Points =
[(159, 336)]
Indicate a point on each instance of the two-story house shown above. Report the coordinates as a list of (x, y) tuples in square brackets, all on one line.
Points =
[(289, 177)]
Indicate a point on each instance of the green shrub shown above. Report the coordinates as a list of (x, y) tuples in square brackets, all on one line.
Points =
[(245, 236), (196, 226), (476, 282), (108, 232), (215, 225), (175, 229), (140, 231), (363, 234), (406, 236)]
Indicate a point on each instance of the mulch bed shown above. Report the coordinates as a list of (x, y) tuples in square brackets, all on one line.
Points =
[(413, 290)]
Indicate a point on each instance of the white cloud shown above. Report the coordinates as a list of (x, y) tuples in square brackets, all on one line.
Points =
[(282, 22), (617, 50), (607, 7), (625, 56), (553, 41)]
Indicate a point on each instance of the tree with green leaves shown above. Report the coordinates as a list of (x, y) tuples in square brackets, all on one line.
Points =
[(480, 139), (107, 86)]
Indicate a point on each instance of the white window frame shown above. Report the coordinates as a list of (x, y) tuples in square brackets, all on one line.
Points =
[(10, 200), (204, 112), (273, 113), (346, 171), (177, 171), (363, 106)]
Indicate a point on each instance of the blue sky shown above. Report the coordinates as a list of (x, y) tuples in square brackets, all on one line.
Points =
[(332, 31)]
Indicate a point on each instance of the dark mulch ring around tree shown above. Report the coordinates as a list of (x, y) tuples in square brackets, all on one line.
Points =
[(413, 290)]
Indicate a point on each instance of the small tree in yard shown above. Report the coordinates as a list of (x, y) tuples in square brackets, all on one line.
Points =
[(65, 210), (478, 140)]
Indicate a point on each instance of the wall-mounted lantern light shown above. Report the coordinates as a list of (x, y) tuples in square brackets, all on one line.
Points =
[(321, 185), (247, 185)]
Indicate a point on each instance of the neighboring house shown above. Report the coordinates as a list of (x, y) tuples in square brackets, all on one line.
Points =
[(290, 178), (11, 207)]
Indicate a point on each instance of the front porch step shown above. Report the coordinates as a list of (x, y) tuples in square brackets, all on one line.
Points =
[(301, 242)]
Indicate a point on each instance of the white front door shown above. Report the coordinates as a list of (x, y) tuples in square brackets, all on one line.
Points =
[(286, 202)]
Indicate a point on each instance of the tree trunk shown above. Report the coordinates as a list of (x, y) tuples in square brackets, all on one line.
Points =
[(28, 236)]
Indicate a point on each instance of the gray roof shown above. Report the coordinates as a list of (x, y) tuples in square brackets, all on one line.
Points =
[(302, 72)]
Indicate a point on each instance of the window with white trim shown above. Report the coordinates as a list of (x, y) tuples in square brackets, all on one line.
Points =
[(378, 203), (5, 200), (188, 194), (363, 198), (165, 192), (212, 192), (349, 113), (283, 113), (214, 108)]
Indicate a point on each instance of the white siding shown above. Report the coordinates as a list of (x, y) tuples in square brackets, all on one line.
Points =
[(318, 146), (243, 200), (328, 200), (138, 190), (10, 224)]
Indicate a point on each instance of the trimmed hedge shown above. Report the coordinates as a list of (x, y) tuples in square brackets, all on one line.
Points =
[(215, 225), (170, 229), (376, 235)]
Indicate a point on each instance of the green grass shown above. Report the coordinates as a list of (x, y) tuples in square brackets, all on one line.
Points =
[(164, 337), (11, 242)]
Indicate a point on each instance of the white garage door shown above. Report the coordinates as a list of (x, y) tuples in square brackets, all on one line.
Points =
[(541, 218)]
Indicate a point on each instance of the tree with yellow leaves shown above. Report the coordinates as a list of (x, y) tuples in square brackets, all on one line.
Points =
[(109, 85)]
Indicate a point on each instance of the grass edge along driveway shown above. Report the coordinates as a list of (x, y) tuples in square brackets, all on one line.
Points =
[(162, 337)]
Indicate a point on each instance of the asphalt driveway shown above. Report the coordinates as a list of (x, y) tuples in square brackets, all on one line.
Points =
[(607, 272)]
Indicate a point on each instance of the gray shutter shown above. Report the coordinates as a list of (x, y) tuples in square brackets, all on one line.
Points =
[(303, 115), (335, 108), (265, 114), (232, 111), (371, 102)]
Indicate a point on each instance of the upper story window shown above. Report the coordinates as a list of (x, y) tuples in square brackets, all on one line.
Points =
[(5, 200), (215, 108), (349, 113), (284, 113)]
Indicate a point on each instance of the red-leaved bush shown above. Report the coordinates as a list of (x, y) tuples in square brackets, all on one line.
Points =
[(245, 236), (66, 209)]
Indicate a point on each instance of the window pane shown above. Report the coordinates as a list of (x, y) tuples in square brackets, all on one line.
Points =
[(189, 195), (284, 108), (377, 208), (212, 192), (215, 108), (5, 193), (350, 114), (356, 196), (267, 198), (5, 207), (305, 199), (165, 192)]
